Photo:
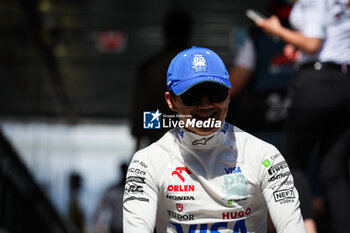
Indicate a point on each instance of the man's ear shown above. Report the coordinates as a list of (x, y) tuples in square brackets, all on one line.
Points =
[(170, 101), (229, 95)]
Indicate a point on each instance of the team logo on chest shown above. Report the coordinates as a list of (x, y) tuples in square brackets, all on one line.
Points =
[(178, 172), (235, 186)]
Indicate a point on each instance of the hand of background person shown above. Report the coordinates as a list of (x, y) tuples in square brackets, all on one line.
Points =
[(292, 53), (271, 25)]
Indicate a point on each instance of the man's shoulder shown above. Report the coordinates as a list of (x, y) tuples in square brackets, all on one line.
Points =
[(252, 149), (248, 139), (154, 156), (161, 147)]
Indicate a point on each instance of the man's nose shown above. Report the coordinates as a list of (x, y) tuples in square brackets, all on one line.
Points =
[(205, 102)]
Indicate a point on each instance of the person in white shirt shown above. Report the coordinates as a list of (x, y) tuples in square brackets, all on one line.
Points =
[(207, 176), (260, 77), (320, 107)]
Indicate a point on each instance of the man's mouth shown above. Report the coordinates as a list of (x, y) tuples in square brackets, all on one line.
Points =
[(205, 115)]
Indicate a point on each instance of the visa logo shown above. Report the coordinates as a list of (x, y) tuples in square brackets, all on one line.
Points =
[(233, 170), (239, 227)]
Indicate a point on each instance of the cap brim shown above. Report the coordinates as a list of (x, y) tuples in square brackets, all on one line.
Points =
[(183, 86)]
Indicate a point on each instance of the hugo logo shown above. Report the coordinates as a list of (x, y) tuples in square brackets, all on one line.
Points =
[(178, 172), (240, 214)]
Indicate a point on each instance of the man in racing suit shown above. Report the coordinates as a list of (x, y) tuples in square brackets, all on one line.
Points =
[(207, 175)]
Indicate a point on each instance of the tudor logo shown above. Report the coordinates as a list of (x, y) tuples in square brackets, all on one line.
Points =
[(178, 172), (179, 207)]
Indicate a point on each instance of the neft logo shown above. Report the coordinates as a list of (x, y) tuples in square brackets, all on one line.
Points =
[(280, 166), (282, 195), (178, 172), (151, 120)]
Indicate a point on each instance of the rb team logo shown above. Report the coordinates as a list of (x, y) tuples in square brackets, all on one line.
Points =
[(151, 120)]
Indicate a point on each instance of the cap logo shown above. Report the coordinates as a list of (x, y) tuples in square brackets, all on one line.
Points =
[(198, 63)]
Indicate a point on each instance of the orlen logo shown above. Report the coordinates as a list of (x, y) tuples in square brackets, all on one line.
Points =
[(181, 188), (178, 171)]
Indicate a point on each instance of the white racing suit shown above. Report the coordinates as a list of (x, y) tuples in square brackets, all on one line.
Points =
[(223, 182)]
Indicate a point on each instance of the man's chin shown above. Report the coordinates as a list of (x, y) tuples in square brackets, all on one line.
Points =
[(203, 131), (205, 116)]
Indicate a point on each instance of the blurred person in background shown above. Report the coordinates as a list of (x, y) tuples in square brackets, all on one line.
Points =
[(75, 211), (320, 107), (108, 216), (260, 77), (177, 28)]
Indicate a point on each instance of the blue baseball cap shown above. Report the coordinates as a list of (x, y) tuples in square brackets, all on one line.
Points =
[(193, 66)]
